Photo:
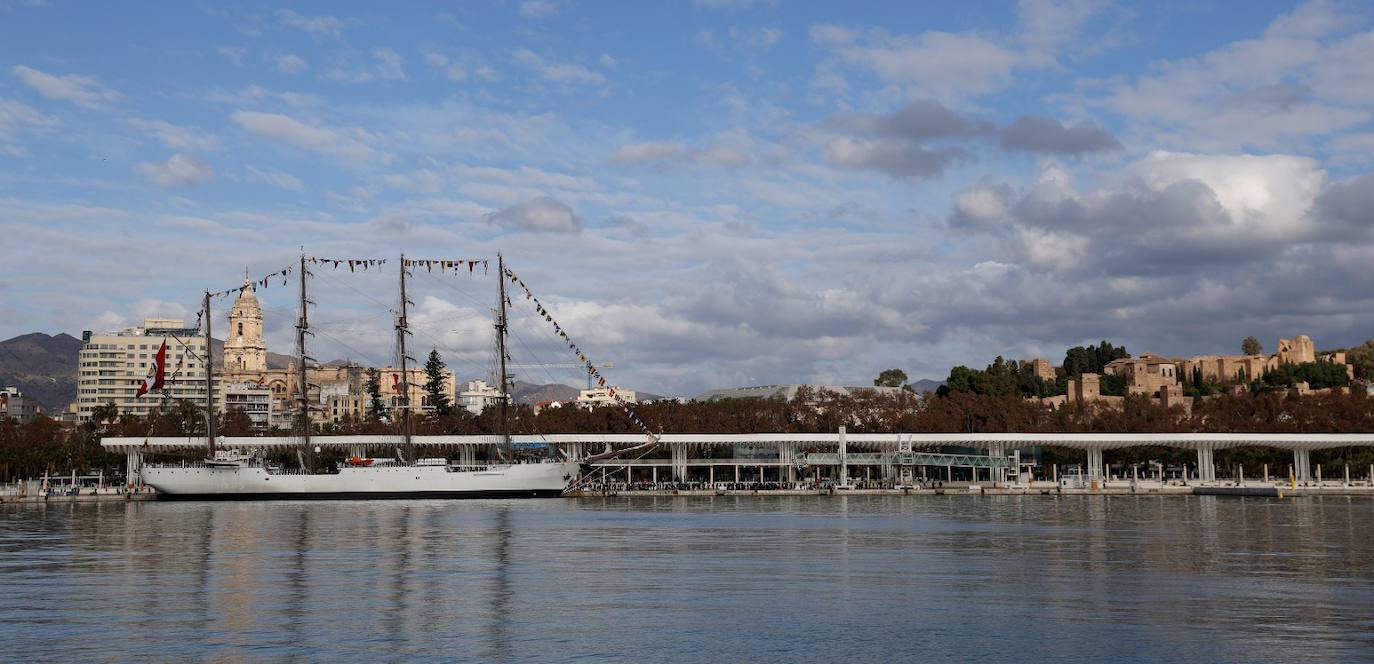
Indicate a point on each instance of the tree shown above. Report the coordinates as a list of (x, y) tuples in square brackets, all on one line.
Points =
[(1091, 359), (376, 410), (890, 378), (1251, 346), (106, 412), (434, 385)]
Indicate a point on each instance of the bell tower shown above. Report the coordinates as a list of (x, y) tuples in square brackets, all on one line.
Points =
[(244, 349)]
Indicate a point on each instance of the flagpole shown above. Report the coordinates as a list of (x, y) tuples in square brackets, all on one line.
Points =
[(209, 384), (403, 329), (501, 329)]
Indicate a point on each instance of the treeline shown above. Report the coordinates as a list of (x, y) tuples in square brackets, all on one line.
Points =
[(1011, 377), (28, 450)]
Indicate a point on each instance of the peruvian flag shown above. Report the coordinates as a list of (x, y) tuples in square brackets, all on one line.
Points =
[(155, 373)]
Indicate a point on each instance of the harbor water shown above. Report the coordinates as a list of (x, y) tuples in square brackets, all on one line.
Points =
[(717, 578)]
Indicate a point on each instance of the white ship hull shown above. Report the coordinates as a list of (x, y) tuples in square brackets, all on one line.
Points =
[(526, 480)]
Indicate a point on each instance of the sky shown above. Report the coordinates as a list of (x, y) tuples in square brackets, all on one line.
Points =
[(708, 193)]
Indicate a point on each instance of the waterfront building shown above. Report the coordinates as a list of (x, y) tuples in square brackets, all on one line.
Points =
[(254, 400), (601, 396), (112, 366), (16, 407), (477, 395)]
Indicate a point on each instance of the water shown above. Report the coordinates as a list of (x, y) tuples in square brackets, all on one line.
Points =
[(950, 578)]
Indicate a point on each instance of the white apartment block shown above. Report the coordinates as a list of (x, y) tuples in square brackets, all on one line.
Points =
[(113, 365)]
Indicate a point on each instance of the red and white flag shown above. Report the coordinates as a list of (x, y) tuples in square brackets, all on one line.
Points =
[(156, 373)]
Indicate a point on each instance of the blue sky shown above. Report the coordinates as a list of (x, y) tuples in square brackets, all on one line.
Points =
[(707, 193)]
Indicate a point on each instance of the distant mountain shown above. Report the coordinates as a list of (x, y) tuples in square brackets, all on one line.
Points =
[(532, 393), (926, 385), (41, 366)]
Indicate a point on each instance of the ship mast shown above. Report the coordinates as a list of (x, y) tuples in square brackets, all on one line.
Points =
[(402, 330), (302, 379), (209, 383), (504, 378)]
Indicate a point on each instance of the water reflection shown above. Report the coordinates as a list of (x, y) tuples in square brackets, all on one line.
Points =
[(720, 578)]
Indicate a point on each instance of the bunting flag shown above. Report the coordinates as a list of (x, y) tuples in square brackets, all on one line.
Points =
[(353, 264), (581, 357), (451, 265), (254, 285)]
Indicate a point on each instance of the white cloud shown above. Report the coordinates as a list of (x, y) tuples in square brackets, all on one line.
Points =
[(176, 137), (636, 153), (348, 144), (1265, 196), (737, 38), (290, 63), (326, 26), (233, 54), (387, 65), (539, 215), (1301, 79), (557, 72), (451, 70), (733, 4), (941, 65), (81, 90), (538, 9), (278, 179), (607, 61), (178, 171)]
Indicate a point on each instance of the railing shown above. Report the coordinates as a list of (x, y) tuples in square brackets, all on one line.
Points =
[(908, 459)]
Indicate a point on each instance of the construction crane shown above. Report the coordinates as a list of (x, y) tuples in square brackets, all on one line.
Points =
[(564, 365)]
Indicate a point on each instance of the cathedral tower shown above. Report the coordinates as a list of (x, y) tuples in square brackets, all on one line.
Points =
[(244, 350)]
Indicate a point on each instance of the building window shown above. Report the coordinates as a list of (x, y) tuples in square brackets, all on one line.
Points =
[(240, 329)]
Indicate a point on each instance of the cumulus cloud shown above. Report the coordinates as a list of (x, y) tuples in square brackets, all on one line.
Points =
[(941, 65), (539, 215), (290, 63), (386, 65), (1305, 77), (81, 90), (557, 72), (451, 70), (278, 179), (899, 160), (538, 9), (919, 139), (319, 26), (15, 117), (636, 153), (178, 171), (738, 38), (176, 137), (347, 144), (733, 4), (1033, 133)]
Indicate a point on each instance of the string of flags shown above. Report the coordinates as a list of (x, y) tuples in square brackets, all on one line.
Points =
[(456, 264), (282, 274), (581, 357), (353, 264)]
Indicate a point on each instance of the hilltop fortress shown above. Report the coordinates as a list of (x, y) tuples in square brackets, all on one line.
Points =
[(1163, 378)]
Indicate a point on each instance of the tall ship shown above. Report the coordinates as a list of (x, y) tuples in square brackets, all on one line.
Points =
[(398, 470)]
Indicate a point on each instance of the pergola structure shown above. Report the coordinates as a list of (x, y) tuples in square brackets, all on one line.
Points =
[(790, 451)]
